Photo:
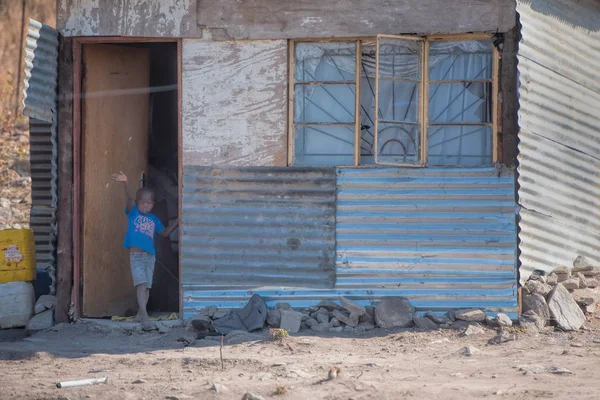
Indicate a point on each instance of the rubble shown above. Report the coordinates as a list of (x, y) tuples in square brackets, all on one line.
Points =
[(394, 312), (290, 320)]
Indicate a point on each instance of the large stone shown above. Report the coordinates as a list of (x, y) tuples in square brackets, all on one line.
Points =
[(368, 318), (538, 276), (552, 279), (502, 337), (584, 297), (592, 283), (329, 305), (503, 320), (41, 321), (311, 322), (468, 351), (323, 318), (472, 330), (364, 327), (438, 318), (538, 287), (424, 323), (571, 284), (394, 312), (45, 302), (352, 306), (474, 315), (290, 320), (274, 318), (283, 306), (353, 320), (564, 310), (322, 327), (370, 310), (582, 281), (530, 321), (341, 316), (537, 303)]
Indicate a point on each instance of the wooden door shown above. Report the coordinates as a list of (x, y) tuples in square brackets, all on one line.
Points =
[(115, 138)]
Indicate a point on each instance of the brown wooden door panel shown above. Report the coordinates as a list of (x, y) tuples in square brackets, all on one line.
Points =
[(115, 138)]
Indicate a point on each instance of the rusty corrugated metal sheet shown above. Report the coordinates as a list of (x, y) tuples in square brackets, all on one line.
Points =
[(559, 160), (42, 220), (445, 238), (41, 71), (247, 228)]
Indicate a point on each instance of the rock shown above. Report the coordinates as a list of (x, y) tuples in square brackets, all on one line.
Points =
[(584, 297), (530, 321), (366, 317), (438, 318), (323, 318), (537, 303), (491, 321), (473, 315), (350, 329), (252, 396), (564, 310), (472, 330), (353, 320), (394, 312), (370, 310), (571, 284), (581, 264), (188, 339), (582, 281), (162, 328), (335, 322), (502, 337), (283, 306), (458, 324), (468, 351), (552, 279), (424, 323), (311, 322), (537, 276), (538, 287), (220, 314), (328, 305), (341, 316), (451, 315), (504, 320), (290, 320), (445, 326), (40, 322), (45, 302), (211, 311), (323, 327), (589, 309), (592, 283), (364, 327), (555, 369), (337, 329), (138, 382), (561, 271), (352, 306), (274, 318), (217, 387), (533, 369)]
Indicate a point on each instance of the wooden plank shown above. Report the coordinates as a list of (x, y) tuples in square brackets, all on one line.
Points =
[(179, 168), (115, 137), (234, 103), (76, 179), (64, 253)]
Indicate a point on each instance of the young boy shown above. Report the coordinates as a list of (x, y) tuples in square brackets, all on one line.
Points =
[(139, 239)]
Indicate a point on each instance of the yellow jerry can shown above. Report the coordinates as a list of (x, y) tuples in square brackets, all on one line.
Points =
[(17, 255)]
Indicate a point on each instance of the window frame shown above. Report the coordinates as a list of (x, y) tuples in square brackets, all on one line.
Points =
[(423, 105)]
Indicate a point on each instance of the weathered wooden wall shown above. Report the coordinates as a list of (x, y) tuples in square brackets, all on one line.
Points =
[(280, 19), (234, 100)]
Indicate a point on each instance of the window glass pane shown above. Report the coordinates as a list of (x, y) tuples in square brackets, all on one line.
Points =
[(398, 101), (324, 145), (399, 59), (325, 62), (398, 143), (459, 145), (460, 60), (460, 102), (324, 103)]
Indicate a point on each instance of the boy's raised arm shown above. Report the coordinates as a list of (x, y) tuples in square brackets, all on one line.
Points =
[(121, 177)]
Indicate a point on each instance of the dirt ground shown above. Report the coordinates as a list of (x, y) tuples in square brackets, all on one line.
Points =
[(376, 365)]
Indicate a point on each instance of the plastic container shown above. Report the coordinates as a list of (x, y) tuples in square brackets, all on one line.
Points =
[(16, 304), (17, 255)]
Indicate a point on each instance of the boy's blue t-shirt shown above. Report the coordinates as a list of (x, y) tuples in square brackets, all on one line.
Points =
[(141, 229)]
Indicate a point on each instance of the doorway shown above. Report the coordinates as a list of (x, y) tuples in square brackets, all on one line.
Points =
[(129, 123)]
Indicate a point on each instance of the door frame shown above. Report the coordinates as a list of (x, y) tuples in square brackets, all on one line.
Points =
[(78, 184)]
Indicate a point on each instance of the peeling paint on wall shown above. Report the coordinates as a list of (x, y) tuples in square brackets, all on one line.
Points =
[(234, 103)]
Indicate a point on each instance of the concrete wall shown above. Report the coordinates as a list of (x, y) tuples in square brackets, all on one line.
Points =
[(280, 19), (234, 99)]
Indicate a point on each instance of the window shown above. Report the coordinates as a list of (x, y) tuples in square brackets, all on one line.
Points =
[(435, 101)]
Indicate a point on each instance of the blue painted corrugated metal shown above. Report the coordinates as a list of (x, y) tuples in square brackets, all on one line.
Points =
[(41, 71), (247, 228), (559, 138), (445, 238)]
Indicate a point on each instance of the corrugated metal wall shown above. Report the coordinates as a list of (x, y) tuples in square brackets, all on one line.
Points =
[(446, 238), (246, 228), (559, 161), (40, 104)]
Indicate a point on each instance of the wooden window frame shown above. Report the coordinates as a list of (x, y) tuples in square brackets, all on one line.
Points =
[(423, 101)]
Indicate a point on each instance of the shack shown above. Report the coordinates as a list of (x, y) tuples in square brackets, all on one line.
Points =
[(311, 150)]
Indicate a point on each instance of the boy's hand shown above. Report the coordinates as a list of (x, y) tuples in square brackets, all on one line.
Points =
[(120, 177)]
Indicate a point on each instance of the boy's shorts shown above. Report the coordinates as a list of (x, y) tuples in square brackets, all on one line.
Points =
[(142, 268)]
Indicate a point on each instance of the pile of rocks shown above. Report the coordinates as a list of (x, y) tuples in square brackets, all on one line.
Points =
[(44, 314), (562, 298)]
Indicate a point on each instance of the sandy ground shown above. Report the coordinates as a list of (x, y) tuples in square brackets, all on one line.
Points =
[(375, 365)]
